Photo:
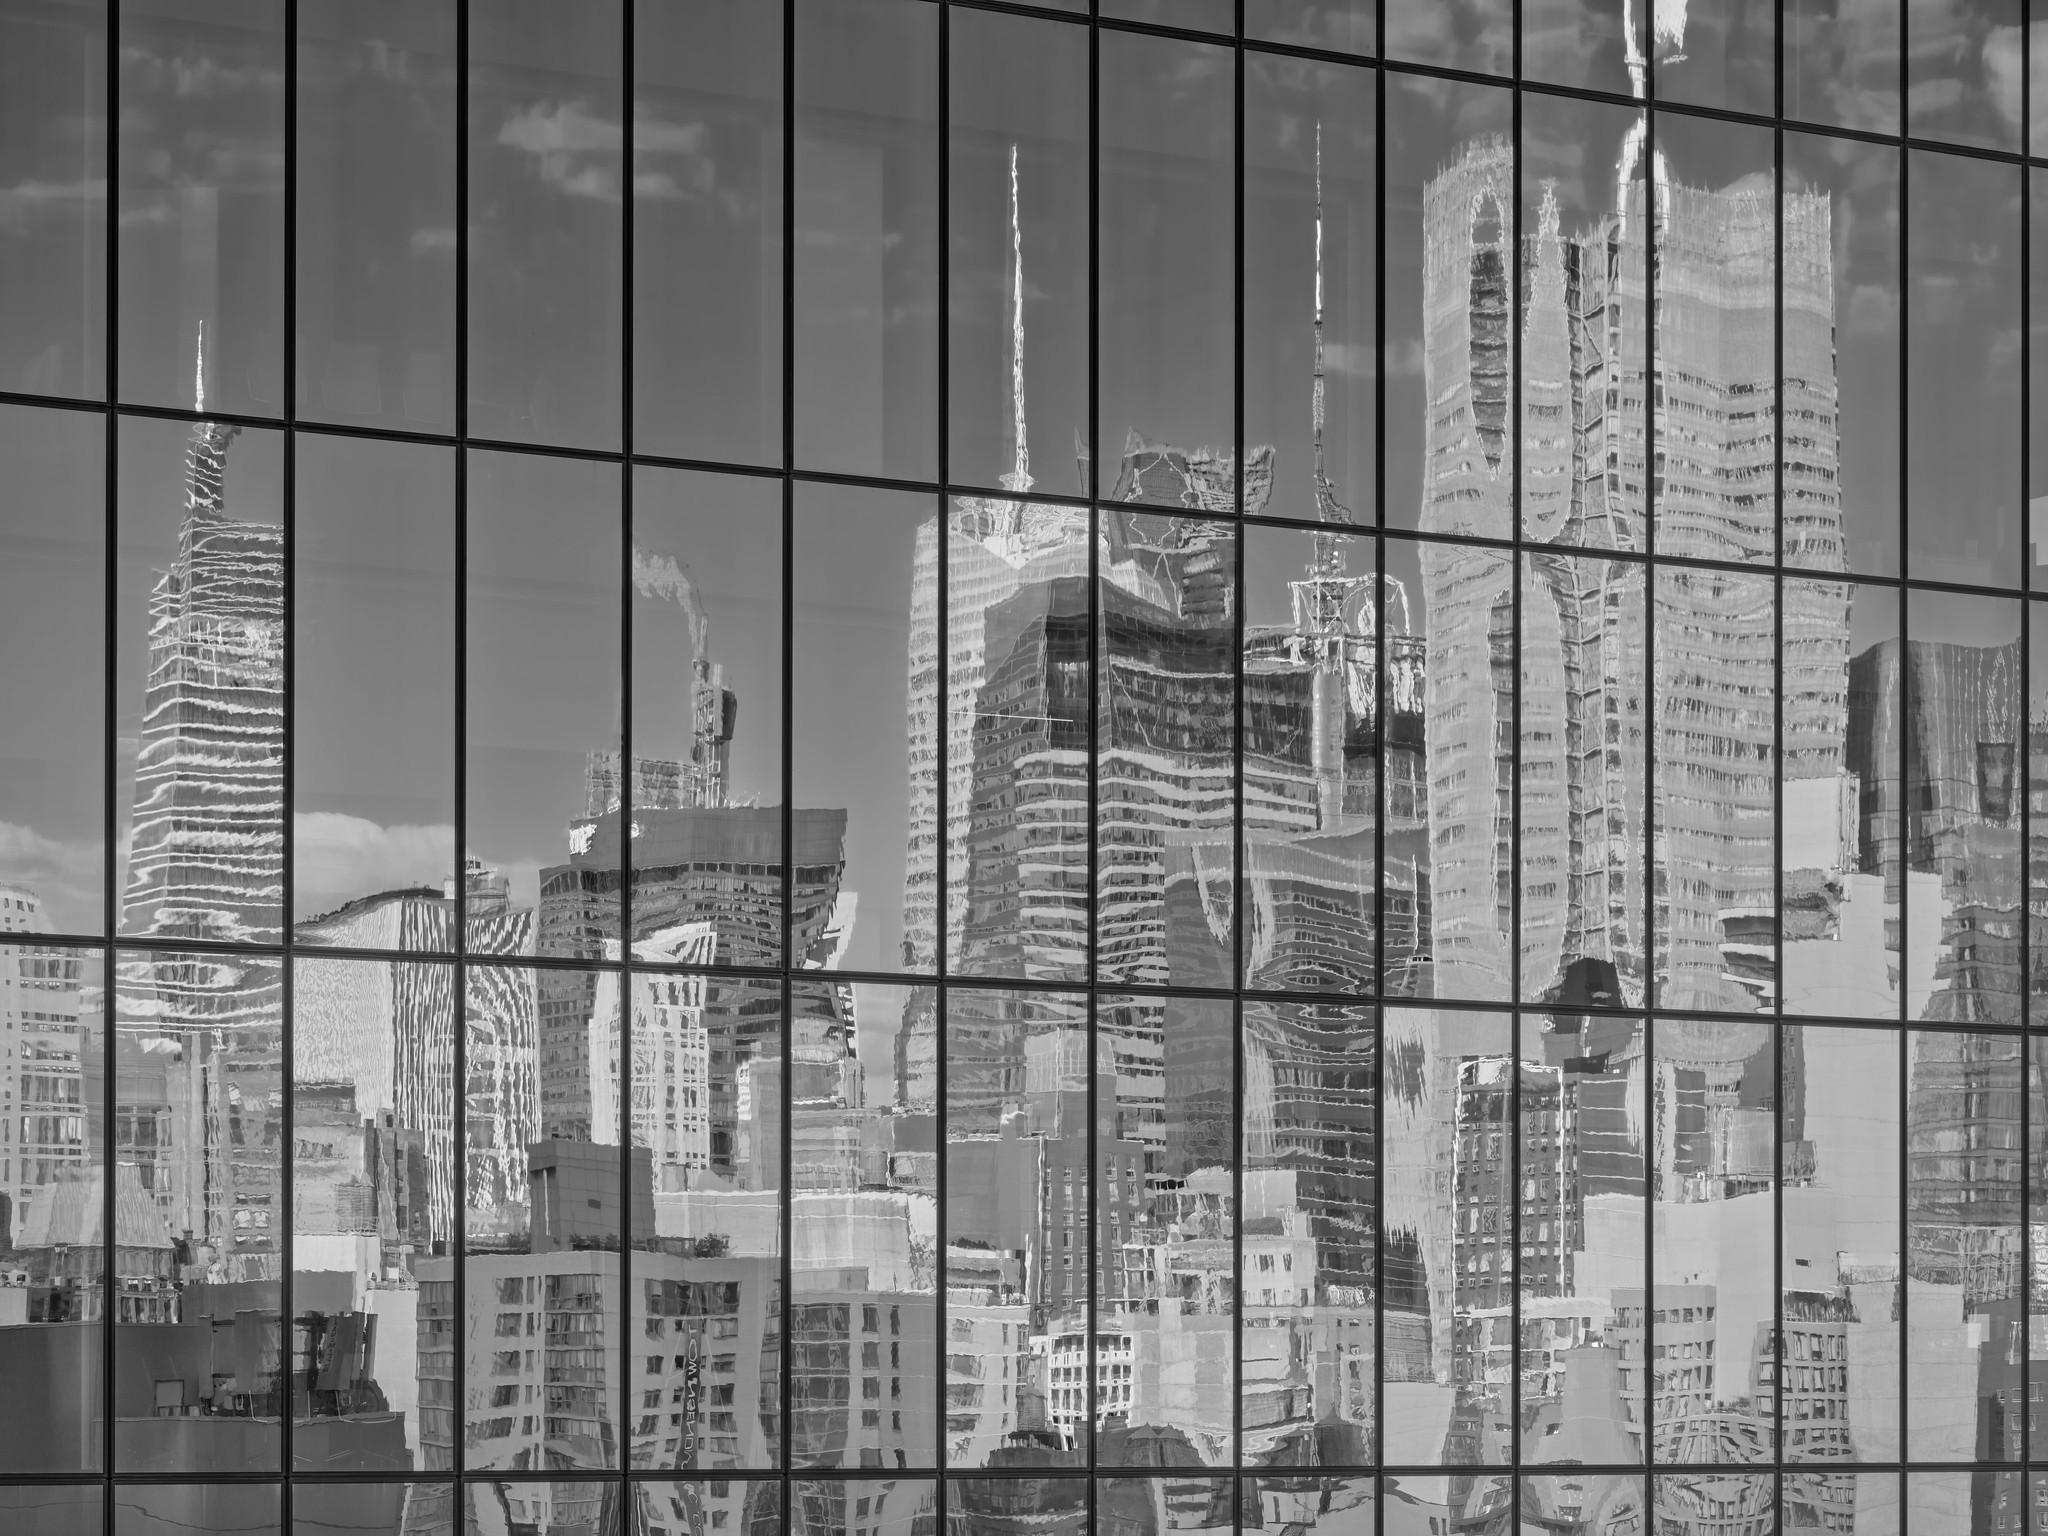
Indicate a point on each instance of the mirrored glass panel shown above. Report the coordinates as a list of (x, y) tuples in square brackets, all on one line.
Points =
[(699, 1508), (866, 591), (1594, 44), (586, 1508), (707, 773), (547, 1348), (1017, 1227), (199, 1105), (866, 211), (707, 231), (376, 213), (54, 165), (1165, 750), (889, 1506), (1165, 207), (1312, 707), (1017, 306), (704, 1092), (546, 140), (1841, 359), (1450, 777), (53, 605), (1839, 872), (1963, 1503), (373, 674), (1842, 63), (1583, 775), (2037, 803), (1963, 427), (202, 208), (2037, 378), (1017, 791), (199, 635), (55, 1509), (1448, 306), (1166, 1504), (1311, 386), (1476, 35), (1962, 1315), (1195, 15), (1412, 1505), (1166, 1232), (543, 828), (1604, 1502), (1716, 53), (1707, 1331), (1839, 1249), (1713, 1501), (171, 1509), (1963, 662), (374, 1199), (1447, 1270), (1338, 26), (1963, 67), (983, 1506), (375, 1509), (58, 1291), (1866, 1503), (1579, 1119), (1309, 1243)]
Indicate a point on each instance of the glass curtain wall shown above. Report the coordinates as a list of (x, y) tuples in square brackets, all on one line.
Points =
[(870, 767)]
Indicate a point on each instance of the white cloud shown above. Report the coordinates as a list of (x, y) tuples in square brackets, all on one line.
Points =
[(66, 875), (337, 858)]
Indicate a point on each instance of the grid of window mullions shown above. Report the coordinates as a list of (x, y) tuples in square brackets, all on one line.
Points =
[(791, 478)]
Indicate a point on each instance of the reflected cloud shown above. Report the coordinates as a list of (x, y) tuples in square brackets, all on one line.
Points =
[(337, 857), (565, 136)]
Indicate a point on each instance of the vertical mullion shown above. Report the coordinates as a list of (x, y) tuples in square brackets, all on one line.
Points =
[(1651, 997), (942, 726), (283, 1216), (1099, 617), (1517, 557), (1778, 1353), (459, 1009), (625, 810), (785, 961), (1383, 800), (109, 760), (2023, 769), (1238, 883)]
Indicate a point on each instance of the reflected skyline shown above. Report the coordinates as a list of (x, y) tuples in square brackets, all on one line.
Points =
[(1406, 905)]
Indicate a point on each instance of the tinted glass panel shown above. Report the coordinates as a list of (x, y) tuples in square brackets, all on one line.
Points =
[(1344, 26)]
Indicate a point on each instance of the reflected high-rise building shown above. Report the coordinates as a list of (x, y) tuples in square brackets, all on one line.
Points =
[(1584, 795)]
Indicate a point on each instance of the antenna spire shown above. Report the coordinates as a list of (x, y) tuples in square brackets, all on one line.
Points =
[(1019, 476), (199, 372)]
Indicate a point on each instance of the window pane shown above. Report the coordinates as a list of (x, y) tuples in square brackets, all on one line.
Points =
[(172, 1509), (1017, 1224), (1165, 751), (53, 1183), (1842, 64), (1963, 374), (373, 1201), (1165, 211), (1018, 305), (1596, 46), (374, 1509), (54, 1509), (199, 681), (373, 666), (867, 237), (1310, 1117), (1717, 53), (1339, 26), (707, 1116), (202, 205), (1448, 1274), (1709, 1330), (376, 213), (1963, 67), (546, 136), (1839, 861), (700, 1508), (821, 1506), (1310, 384), (1197, 15), (1166, 1230), (53, 161), (982, 1506), (866, 591), (199, 1107), (1311, 709), (707, 711), (1017, 683), (592, 1507), (53, 615), (1476, 35), (544, 578), (1838, 1273), (1449, 306), (707, 230)]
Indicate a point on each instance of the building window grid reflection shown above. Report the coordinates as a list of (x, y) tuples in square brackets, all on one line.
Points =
[(1987, 1117)]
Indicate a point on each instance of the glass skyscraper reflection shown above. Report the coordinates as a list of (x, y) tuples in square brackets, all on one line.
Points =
[(893, 766)]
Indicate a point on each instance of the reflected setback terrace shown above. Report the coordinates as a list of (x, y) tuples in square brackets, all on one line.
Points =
[(868, 766)]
